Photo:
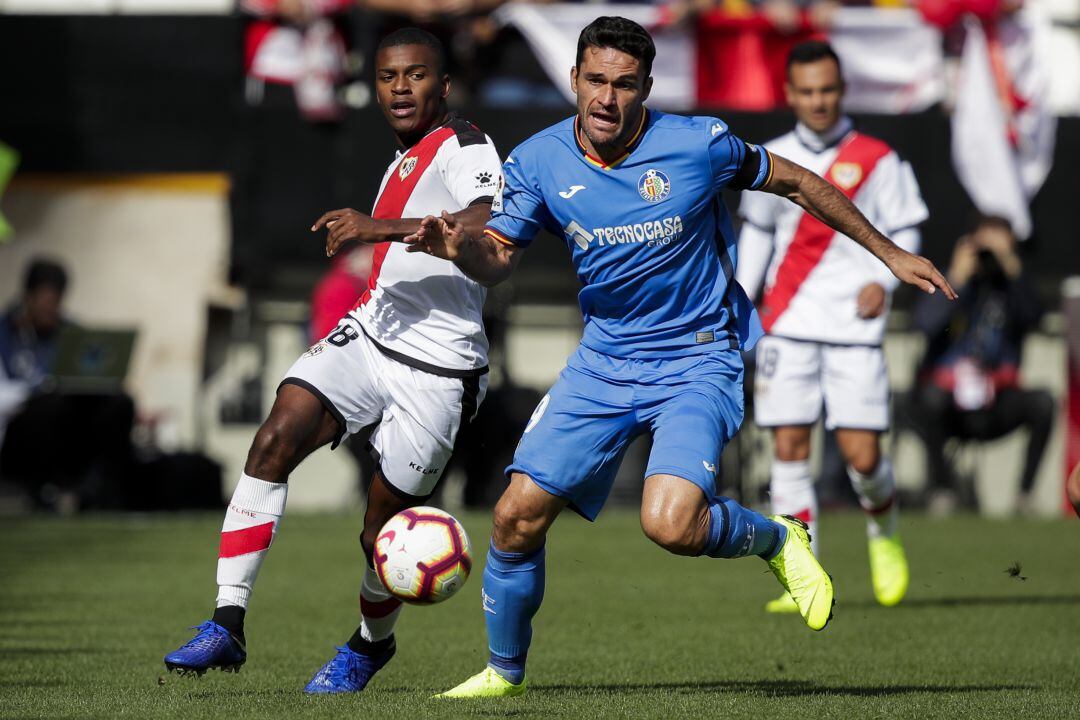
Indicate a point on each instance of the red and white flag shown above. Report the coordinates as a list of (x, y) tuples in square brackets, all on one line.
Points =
[(1002, 132)]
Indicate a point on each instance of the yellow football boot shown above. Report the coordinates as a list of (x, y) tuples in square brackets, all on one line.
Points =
[(802, 575), (486, 684), (888, 569)]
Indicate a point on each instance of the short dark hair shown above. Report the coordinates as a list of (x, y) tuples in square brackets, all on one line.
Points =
[(415, 36), (45, 272), (812, 51), (619, 34)]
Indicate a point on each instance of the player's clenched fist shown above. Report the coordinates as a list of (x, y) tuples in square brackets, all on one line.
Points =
[(438, 236), (344, 225)]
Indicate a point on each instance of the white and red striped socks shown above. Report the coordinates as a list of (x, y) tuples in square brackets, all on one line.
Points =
[(792, 491), (250, 524), (379, 609), (877, 496)]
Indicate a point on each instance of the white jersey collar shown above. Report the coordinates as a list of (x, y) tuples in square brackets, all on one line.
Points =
[(819, 142), (450, 117)]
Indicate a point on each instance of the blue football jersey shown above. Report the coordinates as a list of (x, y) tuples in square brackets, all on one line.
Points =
[(649, 235)]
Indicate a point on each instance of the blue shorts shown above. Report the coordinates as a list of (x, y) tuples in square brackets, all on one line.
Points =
[(575, 440)]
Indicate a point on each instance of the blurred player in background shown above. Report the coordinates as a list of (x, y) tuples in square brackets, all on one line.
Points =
[(635, 194), (824, 310), (410, 358)]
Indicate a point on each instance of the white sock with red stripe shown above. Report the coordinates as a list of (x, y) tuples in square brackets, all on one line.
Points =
[(792, 490), (250, 523), (877, 495), (379, 609)]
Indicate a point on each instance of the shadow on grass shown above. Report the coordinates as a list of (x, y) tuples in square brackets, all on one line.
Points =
[(964, 601), (775, 688)]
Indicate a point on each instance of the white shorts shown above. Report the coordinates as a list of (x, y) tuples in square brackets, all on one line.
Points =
[(793, 377), (417, 414)]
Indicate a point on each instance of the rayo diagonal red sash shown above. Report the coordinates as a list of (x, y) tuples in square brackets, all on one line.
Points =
[(399, 188), (858, 156)]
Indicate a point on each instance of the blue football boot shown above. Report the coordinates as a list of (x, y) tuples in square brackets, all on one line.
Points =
[(213, 648), (348, 671)]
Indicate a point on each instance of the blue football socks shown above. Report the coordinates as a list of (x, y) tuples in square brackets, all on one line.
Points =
[(735, 531), (513, 589)]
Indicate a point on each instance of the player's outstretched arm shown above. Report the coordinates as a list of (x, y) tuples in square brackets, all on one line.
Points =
[(484, 260), (815, 195), (347, 225)]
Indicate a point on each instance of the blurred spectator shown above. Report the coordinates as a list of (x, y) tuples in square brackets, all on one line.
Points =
[(970, 379), (480, 52), (64, 450), (296, 43)]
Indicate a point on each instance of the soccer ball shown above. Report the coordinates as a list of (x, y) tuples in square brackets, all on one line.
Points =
[(422, 555)]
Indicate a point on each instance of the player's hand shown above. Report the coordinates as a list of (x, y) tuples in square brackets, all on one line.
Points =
[(920, 272), (438, 236), (871, 301), (342, 226)]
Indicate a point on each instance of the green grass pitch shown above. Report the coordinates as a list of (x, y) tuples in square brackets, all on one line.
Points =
[(88, 606)]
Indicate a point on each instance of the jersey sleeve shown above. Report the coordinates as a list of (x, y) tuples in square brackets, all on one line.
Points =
[(735, 164), (755, 252), (760, 210), (470, 170), (519, 210), (898, 202)]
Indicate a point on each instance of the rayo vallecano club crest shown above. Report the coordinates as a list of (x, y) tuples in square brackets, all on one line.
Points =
[(846, 174), (653, 186), (406, 167)]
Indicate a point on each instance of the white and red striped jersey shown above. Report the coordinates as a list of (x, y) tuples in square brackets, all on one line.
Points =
[(419, 309), (814, 274)]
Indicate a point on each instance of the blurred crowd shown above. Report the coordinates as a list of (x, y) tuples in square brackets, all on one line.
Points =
[(321, 47)]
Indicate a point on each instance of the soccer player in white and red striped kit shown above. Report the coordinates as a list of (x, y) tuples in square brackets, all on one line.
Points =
[(824, 308), (410, 359)]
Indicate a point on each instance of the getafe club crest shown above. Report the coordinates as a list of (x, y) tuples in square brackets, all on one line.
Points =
[(406, 167), (846, 175), (653, 186)]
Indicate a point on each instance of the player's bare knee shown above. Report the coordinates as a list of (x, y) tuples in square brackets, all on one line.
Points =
[(791, 446), (515, 529), (678, 540), (367, 539), (865, 462), (676, 531)]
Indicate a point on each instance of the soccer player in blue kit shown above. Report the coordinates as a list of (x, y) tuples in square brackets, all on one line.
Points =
[(636, 195)]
